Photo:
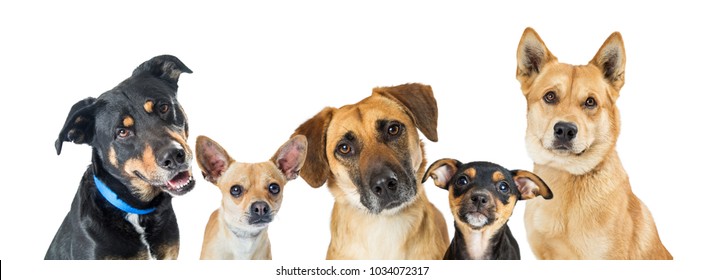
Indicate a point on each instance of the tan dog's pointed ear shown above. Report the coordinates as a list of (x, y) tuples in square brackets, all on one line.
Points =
[(212, 159), (530, 185), (290, 157), (442, 171), (419, 103), (610, 59), (532, 55), (316, 169)]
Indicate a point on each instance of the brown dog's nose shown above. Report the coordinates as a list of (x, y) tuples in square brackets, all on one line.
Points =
[(565, 131), (259, 208), (384, 182), (172, 158)]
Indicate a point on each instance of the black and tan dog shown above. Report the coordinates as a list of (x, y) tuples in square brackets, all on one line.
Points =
[(572, 127), (482, 196), (372, 159), (138, 132)]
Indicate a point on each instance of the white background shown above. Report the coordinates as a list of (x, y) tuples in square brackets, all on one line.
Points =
[(261, 69)]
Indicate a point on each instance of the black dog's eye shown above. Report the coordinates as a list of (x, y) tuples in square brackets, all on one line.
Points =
[(274, 188), (590, 103), (236, 190), (550, 97), (123, 133), (344, 149), (394, 129), (163, 108), (503, 187), (462, 181)]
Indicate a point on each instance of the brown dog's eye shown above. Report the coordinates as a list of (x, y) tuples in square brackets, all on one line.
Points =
[(590, 103), (163, 108), (550, 97), (344, 149), (123, 133), (393, 129)]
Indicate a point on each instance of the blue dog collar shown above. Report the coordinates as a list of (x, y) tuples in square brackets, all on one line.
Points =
[(111, 197)]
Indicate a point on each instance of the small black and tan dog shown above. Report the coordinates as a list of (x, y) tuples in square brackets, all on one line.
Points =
[(482, 196), (138, 132)]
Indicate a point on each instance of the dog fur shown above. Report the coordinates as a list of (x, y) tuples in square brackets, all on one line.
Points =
[(572, 128), (372, 159)]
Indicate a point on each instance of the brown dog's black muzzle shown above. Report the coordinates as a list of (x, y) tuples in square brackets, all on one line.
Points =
[(386, 187)]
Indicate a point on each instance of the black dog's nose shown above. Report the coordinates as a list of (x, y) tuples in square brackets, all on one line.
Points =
[(172, 159), (259, 208), (479, 199), (384, 182), (565, 131)]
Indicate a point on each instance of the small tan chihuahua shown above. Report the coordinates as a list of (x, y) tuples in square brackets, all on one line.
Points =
[(251, 196)]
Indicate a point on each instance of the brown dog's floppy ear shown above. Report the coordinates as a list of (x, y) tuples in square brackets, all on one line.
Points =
[(290, 157), (532, 55), (165, 67), (610, 59), (79, 127), (530, 185), (419, 103), (442, 171), (212, 159), (316, 169)]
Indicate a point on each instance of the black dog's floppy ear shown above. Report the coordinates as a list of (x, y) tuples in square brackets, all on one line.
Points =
[(442, 171), (80, 124), (530, 185), (419, 102), (165, 67), (316, 169)]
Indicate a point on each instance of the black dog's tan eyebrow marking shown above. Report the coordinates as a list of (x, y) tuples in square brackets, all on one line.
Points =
[(471, 172), (498, 176), (149, 106), (128, 121)]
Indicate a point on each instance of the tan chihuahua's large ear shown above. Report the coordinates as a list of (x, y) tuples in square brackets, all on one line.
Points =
[(212, 159), (442, 171), (532, 55), (290, 157), (316, 169), (610, 59), (419, 102), (530, 185)]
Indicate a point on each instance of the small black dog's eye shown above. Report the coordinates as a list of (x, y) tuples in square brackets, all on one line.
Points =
[(344, 149), (123, 133), (163, 108), (550, 97), (590, 103), (503, 187), (394, 129), (236, 190), (274, 188), (462, 181)]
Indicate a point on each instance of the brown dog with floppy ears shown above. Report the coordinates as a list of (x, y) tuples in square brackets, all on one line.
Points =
[(572, 127), (372, 159), (251, 196)]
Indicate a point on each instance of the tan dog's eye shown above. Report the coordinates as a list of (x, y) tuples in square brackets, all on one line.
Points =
[(550, 97), (344, 149), (393, 129), (590, 103)]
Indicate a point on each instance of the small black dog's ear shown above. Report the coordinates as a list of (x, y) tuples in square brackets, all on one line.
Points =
[(80, 124), (442, 171), (165, 67), (530, 185)]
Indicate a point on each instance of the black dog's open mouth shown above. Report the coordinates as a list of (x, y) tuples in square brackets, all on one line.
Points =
[(181, 183)]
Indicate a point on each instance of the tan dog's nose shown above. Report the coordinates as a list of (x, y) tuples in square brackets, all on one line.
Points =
[(565, 131)]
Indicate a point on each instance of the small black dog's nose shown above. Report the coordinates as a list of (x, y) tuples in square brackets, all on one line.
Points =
[(565, 131), (172, 159), (384, 182), (479, 199), (259, 208)]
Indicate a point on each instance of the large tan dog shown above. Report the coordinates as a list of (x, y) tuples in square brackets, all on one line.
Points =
[(572, 128), (372, 159), (252, 194)]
